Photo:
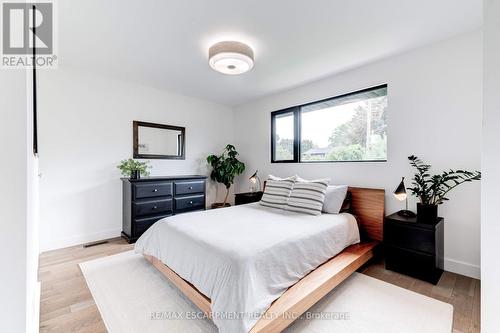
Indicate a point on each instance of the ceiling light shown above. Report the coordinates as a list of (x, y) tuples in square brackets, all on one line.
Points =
[(230, 57)]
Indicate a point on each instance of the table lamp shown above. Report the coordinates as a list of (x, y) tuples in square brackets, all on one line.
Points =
[(254, 178), (400, 194)]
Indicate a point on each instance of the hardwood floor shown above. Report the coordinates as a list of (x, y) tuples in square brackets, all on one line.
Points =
[(460, 291), (67, 304)]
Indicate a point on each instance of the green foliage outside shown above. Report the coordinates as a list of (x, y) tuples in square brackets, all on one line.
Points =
[(284, 148), (349, 141)]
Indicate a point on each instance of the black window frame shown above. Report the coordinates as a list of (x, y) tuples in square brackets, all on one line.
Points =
[(296, 110), (296, 128)]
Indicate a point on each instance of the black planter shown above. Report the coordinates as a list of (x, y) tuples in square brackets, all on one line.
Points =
[(136, 174), (427, 213)]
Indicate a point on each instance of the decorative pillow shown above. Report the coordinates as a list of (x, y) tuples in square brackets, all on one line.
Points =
[(300, 179), (276, 193), (334, 198), (307, 197), (293, 178), (347, 205)]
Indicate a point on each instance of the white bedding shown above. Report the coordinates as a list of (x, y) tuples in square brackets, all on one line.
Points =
[(244, 257)]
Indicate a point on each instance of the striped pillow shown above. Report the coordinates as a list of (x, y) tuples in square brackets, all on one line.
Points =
[(308, 197), (276, 193)]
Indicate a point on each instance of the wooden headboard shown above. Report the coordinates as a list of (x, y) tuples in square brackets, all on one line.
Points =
[(368, 205)]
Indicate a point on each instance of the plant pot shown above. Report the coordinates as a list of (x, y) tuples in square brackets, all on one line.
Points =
[(136, 174), (220, 205), (427, 213)]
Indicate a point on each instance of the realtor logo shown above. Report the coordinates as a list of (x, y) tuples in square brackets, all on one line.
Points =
[(28, 27)]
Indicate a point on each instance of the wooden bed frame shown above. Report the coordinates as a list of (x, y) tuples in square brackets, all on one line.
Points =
[(368, 206)]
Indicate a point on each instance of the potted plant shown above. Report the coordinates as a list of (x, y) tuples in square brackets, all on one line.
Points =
[(224, 168), (432, 189), (133, 169)]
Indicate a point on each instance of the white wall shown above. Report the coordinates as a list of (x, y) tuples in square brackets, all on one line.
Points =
[(18, 282), (86, 129), (490, 222), (434, 111)]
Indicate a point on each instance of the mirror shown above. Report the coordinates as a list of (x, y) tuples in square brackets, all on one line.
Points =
[(158, 141)]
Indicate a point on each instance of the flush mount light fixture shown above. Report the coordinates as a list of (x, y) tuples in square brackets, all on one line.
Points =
[(230, 57)]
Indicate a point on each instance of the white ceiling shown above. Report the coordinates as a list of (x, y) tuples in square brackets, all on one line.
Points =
[(165, 43)]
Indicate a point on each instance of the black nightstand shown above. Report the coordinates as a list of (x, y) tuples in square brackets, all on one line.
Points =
[(249, 197), (414, 249)]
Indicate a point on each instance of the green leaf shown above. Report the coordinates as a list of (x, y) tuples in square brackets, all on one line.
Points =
[(225, 166)]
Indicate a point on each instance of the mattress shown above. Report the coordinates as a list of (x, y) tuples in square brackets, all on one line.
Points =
[(245, 257)]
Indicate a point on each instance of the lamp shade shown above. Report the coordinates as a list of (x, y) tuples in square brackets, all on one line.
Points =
[(253, 178), (400, 192)]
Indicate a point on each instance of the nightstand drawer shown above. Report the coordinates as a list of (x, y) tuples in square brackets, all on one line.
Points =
[(189, 187), (420, 265), (152, 207), (411, 238), (193, 202), (151, 190)]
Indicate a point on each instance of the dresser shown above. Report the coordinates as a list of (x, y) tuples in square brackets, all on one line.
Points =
[(147, 200), (413, 248)]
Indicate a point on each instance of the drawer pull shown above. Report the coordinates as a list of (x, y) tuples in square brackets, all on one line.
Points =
[(155, 207), (190, 188), (155, 190), (190, 202)]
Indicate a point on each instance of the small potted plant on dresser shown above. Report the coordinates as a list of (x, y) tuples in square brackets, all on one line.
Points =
[(225, 167), (432, 189), (134, 169)]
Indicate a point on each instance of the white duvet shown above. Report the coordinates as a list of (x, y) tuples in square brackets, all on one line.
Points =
[(245, 257)]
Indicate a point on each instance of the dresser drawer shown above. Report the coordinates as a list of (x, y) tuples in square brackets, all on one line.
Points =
[(141, 225), (189, 187), (152, 207), (192, 202), (151, 190), (417, 239)]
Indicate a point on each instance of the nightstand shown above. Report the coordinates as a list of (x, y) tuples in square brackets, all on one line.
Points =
[(414, 249), (248, 197)]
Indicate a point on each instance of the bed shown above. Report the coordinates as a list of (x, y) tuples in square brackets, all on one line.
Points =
[(241, 262)]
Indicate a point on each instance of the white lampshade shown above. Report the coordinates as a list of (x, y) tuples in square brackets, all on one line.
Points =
[(230, 57)]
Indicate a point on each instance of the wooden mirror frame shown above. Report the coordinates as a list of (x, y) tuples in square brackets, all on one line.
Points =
[(136, 125)]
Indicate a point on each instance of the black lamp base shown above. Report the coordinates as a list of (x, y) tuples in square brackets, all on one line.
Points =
[(406, 213)]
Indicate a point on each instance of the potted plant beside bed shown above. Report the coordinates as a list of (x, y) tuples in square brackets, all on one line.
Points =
[(134, 169), (432, 189), (224, 168)]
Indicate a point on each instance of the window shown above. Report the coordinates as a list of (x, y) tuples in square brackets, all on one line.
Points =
[(350, 127), (285, 141)]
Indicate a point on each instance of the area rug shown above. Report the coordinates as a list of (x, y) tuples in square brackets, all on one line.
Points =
[(132, 296)]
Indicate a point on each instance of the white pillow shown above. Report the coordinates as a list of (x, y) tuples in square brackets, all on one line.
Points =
[(307, 197), (292, 178), (334, 198), (299, 179)]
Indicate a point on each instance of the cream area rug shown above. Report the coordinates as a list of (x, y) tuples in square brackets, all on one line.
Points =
[(132, 296)]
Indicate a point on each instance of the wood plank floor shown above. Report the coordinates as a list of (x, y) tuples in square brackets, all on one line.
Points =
[(67, 304)]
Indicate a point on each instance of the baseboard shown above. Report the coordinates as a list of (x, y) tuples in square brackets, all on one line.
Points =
[(36, 325), (462, 268), (80, 239), (33, 308)]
